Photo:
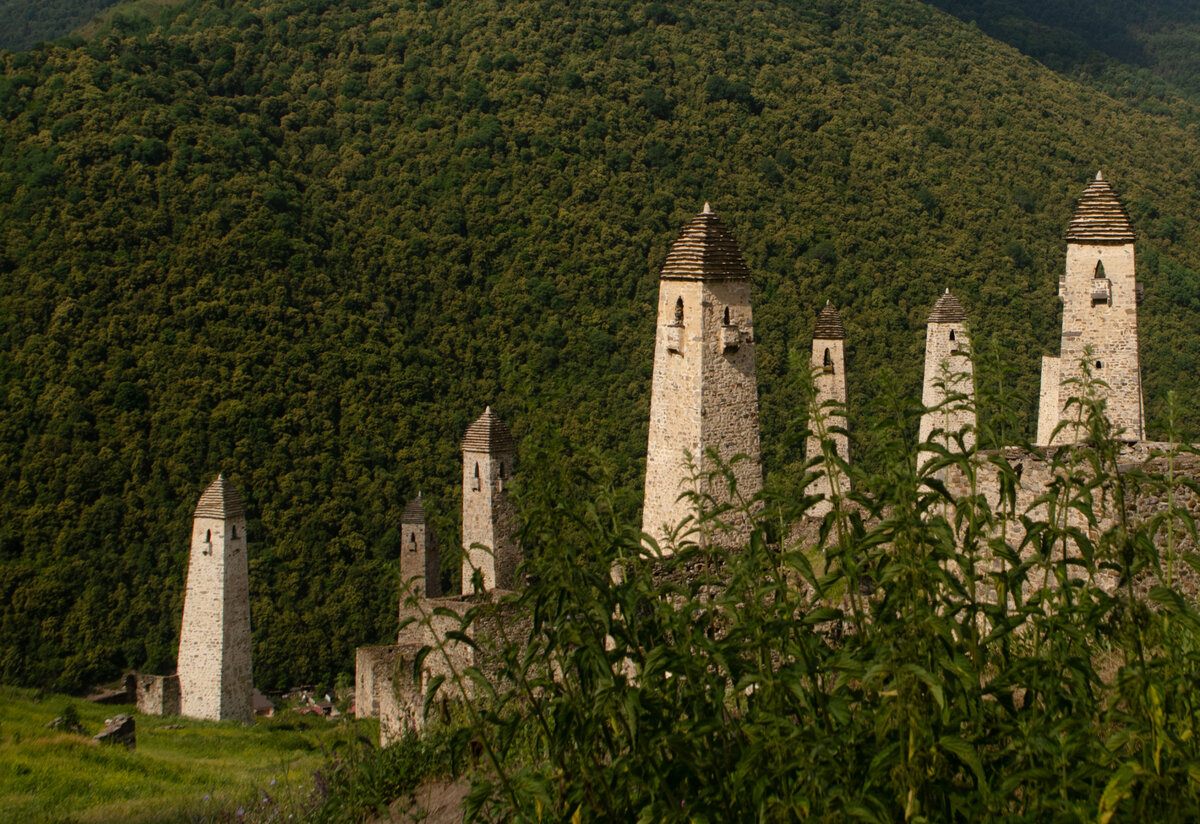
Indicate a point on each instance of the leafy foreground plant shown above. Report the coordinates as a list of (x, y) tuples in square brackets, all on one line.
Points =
[(944, 664)]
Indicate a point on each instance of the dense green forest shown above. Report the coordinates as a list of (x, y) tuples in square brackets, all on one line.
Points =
[(306, 241), (24, 23)]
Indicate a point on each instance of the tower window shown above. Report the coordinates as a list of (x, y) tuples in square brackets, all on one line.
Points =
[(503, 474), (951, 334), (208, 536), (726, 315), (1100, 269), (233, 531), (679, 312), (475, 485), (412, 537), (1099, 365), (828, 361)]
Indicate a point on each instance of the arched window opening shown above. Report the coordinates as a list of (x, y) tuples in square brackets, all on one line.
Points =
[(233, 531), (475, 484), (1099, 365), (1100, 269), (951, 334), (827, 363), (412, 537), (208, 536), (679, 312), (726, 315)]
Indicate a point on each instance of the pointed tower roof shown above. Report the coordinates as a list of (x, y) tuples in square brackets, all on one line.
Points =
[(705, 250), (488, 434), (947, 310), (829, 324), (220, 500), (414, 513), (1100, 217)]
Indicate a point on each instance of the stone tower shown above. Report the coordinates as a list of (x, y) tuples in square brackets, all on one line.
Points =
[(489, 540), (704, 393), (1100, 294), (829, 381), (214, 642), (419, 556), (949, 388)]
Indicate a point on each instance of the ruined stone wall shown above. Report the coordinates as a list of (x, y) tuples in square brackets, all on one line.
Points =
[(1100, 311), (214, 644), (401, 699), (371, 664), (158, 694), (1037, 473), (829, 369)]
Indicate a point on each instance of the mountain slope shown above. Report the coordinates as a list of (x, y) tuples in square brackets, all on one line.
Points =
[(306, 241)]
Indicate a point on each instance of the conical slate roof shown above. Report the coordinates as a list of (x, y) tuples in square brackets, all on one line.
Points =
[(1100, 217), (414, 513), (705, 250), (488, 434), (829, 325), (947, 310), (220, 500)]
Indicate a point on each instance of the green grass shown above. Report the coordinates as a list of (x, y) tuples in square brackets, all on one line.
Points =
[(182, 770)]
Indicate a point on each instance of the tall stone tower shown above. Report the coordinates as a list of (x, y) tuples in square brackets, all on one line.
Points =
[(1100, 294), (704, 392), (215, 680), (489, 540), (949, 388), (829, 371), (419, 556)]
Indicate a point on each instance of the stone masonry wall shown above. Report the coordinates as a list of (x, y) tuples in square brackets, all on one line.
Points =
[(488, 520), (729, 420), (675, 399), (214, 644), (948, 370), (830, 384), (158, 694), (1109, 327)]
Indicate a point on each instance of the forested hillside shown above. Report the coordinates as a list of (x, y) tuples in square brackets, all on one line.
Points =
[(306, 241), (26, 22)]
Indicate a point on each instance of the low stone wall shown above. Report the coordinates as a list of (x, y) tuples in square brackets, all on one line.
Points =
[(158, 694)]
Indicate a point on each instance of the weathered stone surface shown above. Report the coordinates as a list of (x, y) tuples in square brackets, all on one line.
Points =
[(215, 679), (372, 667), (120, 730), (420, 560), (158, 694), (704, 391), (949, 386), (828, 418), (489, 521), (1099, 293)]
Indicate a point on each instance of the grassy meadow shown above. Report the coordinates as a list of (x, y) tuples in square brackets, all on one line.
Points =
[(181, 770)]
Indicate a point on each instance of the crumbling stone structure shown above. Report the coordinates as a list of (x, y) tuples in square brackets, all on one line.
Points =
[(488, 521), (420, 561), (828, 366), (1100, 295), (158, 694), (214, 642), (704, 393), (948, 392)]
